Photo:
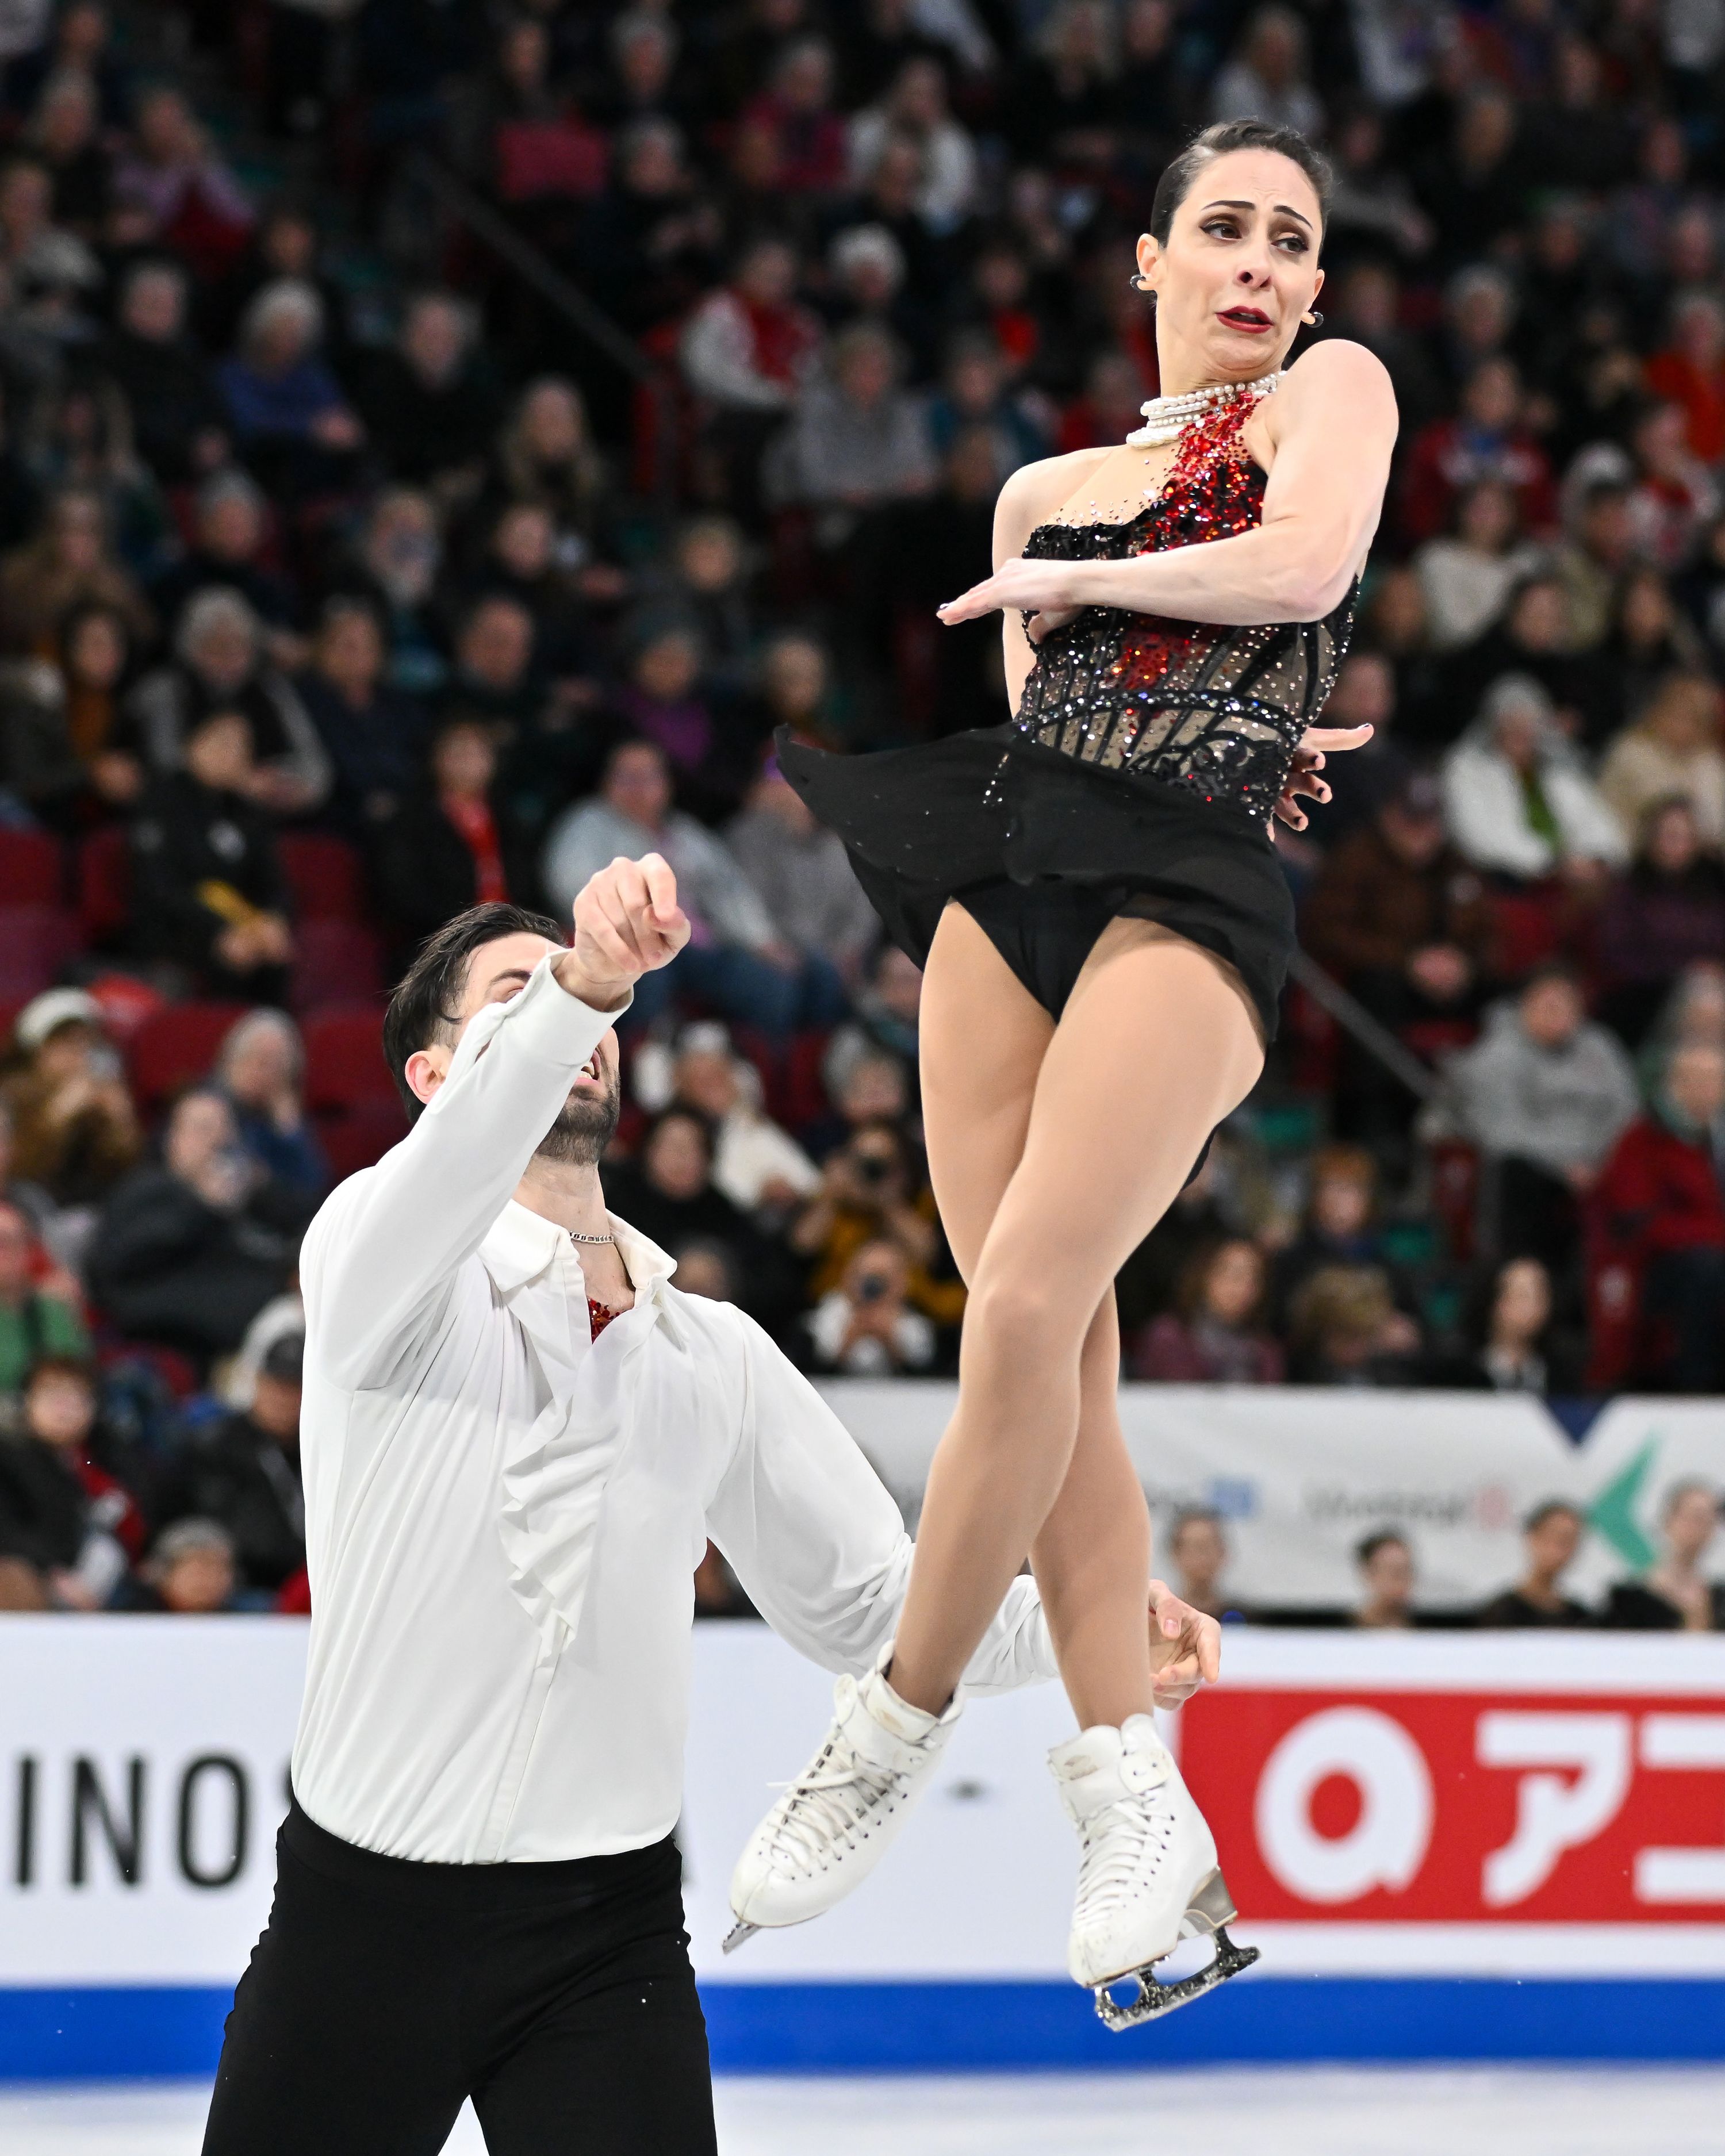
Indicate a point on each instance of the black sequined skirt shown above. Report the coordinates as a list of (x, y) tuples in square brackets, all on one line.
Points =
[(987, 811)]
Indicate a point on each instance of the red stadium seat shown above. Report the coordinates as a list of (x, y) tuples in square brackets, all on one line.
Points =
[(178, 1046), (325, 875), (344, 1060), (1529, 928), (355, 1137), (31, 871), (802, 1097), (104, 885), (335, 962), (35, 942)]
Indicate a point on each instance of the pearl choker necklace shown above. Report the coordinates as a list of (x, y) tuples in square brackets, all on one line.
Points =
[(1166, 419)]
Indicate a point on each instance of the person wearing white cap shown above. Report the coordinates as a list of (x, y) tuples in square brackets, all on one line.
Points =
[(74, 1128)]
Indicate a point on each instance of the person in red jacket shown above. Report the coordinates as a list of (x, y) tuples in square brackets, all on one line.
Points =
[(1657, 1224), (1486, 439)]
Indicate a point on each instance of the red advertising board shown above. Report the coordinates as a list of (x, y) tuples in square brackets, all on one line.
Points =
[(1379, 1804)]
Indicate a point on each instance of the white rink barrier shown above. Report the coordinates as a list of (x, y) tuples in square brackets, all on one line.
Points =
[(1447, 1844)]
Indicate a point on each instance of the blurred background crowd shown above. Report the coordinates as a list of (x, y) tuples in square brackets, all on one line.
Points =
[(440, 440)]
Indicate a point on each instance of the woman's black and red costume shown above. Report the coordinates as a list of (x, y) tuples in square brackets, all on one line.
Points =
[(1138, 777)]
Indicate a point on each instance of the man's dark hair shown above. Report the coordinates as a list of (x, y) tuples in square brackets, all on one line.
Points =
[(423, 1007), (1178, 177), (625, 745), (1546, 1510), (1368, 1548), (1554, 969), (68, 1367)]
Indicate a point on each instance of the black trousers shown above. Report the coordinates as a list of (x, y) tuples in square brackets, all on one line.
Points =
[(558, 1996)]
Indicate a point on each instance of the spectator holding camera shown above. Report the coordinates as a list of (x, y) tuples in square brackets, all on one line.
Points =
[(865, 1327), (1551, 1535), (74, 1128), (869, 1192)]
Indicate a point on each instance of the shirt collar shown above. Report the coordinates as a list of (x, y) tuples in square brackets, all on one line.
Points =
[(521, 1245)]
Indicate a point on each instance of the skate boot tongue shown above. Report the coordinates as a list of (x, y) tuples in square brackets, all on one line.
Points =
[(1104, 1766), (911, 1725)]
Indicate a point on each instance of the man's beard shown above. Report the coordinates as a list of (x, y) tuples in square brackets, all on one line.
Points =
[(585, 1126)]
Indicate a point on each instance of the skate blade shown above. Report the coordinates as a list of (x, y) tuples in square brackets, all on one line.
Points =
[(1155, 1999), (739, 1935)]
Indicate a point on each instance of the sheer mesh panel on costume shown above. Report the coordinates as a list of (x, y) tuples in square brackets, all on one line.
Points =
[(1217, 711)]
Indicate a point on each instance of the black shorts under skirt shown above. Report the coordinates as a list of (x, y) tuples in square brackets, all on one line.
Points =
[(1044, 851)]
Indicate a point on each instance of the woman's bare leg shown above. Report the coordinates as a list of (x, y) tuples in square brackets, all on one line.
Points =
[(984, 1038), (1156, 1044)]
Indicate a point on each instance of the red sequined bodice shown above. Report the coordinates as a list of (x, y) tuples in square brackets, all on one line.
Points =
[(1216, 711), (598, 1318)]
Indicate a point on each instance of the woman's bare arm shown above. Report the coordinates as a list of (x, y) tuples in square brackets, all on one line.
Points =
[(1330, 428), (1031, 496)]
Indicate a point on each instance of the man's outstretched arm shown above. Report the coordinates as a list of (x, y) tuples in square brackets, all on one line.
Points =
[(821, 1550), (387, 1246)]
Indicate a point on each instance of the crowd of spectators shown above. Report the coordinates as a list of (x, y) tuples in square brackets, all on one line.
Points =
[(346, 578), (1673, 1592)]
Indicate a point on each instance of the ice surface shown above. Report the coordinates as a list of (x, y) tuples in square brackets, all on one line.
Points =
[(1497, 2111)]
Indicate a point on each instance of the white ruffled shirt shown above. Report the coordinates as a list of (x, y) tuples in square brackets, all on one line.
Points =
[(504, 1516)]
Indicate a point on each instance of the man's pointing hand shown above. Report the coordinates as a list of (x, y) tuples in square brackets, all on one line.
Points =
[(627, 923)]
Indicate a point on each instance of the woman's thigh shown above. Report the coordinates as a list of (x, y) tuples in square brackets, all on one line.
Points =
[(983, 1037), (1156, 1046)]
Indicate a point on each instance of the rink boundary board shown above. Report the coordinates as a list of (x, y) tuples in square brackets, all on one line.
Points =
[(140, 2032)]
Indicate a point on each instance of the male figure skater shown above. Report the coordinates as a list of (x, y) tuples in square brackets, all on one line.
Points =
[(516, 1437)]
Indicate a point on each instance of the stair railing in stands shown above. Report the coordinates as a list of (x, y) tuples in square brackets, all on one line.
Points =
[(1328, 993), (566, 298)]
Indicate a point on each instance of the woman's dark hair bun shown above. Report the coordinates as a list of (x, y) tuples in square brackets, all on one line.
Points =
[(1176, 182)]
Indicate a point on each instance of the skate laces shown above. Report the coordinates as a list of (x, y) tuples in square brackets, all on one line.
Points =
[(827, 1804), (1121, 1847)]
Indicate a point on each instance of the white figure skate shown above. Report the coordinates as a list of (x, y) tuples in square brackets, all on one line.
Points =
[(1147, 1876), (832, 1826)]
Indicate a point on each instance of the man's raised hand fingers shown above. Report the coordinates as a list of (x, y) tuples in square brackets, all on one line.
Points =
[(613, 955), (610, 901), (630, 880), (661, 887), (1210, 1649)]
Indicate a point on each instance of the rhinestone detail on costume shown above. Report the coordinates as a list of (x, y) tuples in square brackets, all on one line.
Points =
[(1216, 711)]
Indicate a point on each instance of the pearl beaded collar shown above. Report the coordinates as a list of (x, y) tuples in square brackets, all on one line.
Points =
[(1166, 419)]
